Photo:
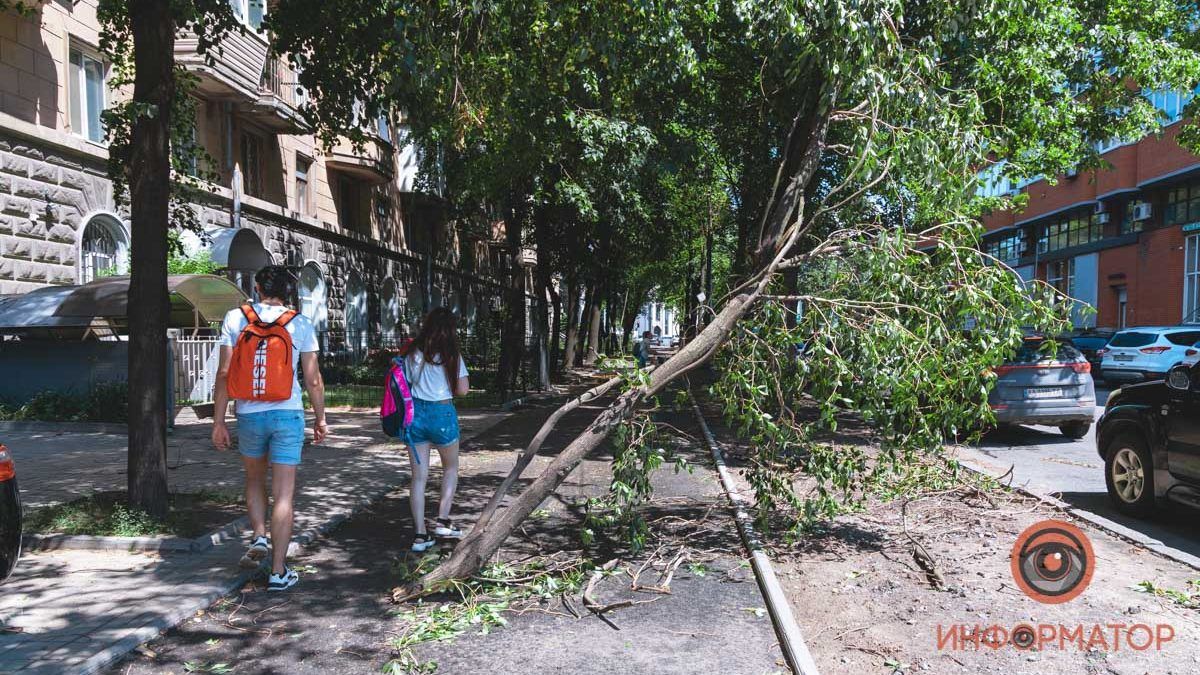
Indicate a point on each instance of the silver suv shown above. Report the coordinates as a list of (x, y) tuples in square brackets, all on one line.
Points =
[(1048, 382)]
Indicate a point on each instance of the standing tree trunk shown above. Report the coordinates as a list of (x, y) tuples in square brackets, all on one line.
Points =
[(153, 30), (512, 334), (555, 326), (593, 350), (572, 316)]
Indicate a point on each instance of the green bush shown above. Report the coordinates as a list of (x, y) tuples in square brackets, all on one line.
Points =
[(107, 402)]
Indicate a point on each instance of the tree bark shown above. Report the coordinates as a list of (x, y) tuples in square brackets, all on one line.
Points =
[(153, 30), (593, 352), (572, 317), (555, 326), (512, 334)]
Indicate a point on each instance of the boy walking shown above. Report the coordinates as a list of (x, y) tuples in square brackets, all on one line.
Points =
[(263, 346)]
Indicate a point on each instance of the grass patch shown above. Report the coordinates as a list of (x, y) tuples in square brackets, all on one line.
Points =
[(106, 514)]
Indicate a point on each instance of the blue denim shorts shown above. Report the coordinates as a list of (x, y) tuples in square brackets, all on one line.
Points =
[(433, 422), (279, 431)]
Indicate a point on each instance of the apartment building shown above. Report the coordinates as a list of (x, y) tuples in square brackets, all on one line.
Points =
[(1125, 239), (371, 250)]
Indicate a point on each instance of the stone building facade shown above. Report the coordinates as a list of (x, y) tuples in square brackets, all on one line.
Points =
[(371, 250)]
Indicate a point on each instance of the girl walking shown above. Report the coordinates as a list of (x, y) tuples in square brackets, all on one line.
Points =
[(437, 373)]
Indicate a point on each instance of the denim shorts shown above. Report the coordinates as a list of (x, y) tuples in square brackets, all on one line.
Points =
[(279, 431), (433, 422)]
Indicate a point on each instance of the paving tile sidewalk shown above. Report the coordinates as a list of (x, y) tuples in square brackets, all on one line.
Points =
[(78, 610)]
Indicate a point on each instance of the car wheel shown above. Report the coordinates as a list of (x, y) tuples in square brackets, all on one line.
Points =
[(1076, 430), (1129, 475)]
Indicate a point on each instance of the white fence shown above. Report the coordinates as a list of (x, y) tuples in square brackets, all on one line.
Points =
[(195, 368)]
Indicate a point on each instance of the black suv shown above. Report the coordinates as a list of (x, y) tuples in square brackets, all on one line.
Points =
[(1149, 439)]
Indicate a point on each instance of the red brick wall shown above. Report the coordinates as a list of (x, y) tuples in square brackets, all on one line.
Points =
[(1154, 277), (1160, 156), (996, 220), (1045, 198), (1124, 171)]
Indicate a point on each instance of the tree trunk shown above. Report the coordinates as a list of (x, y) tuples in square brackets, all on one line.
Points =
[(593, 352), (149, 304), (585, 317), (555, 326), (572, 317), (512, 334)]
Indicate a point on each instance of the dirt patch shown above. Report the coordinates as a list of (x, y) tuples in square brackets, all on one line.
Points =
[(874, 591)]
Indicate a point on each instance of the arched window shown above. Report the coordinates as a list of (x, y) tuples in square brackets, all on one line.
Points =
[(312, 298), (356, 316), (391, 312), (103, 249)]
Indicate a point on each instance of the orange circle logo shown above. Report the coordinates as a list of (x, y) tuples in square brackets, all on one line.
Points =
[(1052, 561)]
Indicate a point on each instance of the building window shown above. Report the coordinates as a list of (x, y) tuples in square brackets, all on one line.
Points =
[(103, 250), (303, 198), (385, 132), (993, 182), (1128, 224), (312, 298), (86, 90), (1072, 230), (1169, 103), (1183, 204), (1191, 279), (348, 216), (383, 211), (252, 157), (250, 12), (1007, 249), (356, 317), (1061, 275)]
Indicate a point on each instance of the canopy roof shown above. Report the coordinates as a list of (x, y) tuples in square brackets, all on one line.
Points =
[(197, 300)]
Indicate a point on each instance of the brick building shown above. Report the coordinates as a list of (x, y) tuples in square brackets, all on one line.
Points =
[(1125, 240), (371, 250)]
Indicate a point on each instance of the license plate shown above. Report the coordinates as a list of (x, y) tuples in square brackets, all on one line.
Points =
[(1043, 393), (1123, 357)]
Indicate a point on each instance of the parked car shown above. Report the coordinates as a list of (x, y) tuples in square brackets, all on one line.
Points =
[(1047, 382), (10, 515), (1090, 342), (1143, 354), (1149, 439)]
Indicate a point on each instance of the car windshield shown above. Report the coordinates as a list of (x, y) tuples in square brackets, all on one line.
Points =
[(1133, 339), (1033, 351)]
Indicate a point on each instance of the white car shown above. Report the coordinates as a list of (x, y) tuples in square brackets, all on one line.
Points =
[(1144, 354)]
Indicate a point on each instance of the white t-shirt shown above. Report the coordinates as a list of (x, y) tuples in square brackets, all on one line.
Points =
[(304, 339), (428, 380)]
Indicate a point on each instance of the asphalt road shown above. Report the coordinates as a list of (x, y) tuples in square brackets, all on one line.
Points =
[(1046, 462)]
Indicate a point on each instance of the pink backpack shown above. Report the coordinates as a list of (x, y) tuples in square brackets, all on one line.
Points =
[(396, 411)]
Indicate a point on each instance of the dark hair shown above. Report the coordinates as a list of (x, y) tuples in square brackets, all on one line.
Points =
[(276, 281), (438, 342)]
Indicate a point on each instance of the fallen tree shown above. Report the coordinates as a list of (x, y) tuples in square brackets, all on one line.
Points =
[(874, 119)]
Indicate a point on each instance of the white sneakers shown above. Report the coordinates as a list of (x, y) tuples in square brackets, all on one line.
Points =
[(282, 582), (254, 555)]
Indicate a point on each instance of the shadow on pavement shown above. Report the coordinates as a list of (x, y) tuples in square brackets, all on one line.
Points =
[(1175, 525)]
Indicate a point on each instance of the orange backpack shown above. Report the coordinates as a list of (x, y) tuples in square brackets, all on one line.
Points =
[(261, 368)]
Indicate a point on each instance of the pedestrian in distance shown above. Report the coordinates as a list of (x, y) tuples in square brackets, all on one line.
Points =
[(263, 346), (641, 350), (436, 373)]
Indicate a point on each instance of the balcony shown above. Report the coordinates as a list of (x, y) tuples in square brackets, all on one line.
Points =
[(278, 101), (240, 70), (233, 68), (372, 163)]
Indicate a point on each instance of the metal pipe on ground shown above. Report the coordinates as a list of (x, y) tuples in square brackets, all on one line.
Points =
[(791, 641)]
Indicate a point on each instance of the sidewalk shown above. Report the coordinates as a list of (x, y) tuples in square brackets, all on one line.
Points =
[(79, 610), (340, 621)]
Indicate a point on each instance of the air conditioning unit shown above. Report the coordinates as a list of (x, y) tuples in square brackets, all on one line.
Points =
[(1102, 218), (1043, 246), (1142, 211), (1100, 207)]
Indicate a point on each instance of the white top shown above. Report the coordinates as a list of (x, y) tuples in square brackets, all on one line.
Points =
[(427, 381), (304, 339)]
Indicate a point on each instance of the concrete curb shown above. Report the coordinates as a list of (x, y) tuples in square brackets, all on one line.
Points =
[(791, 641), (1111, 527), (83, 542), (63, 427)]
